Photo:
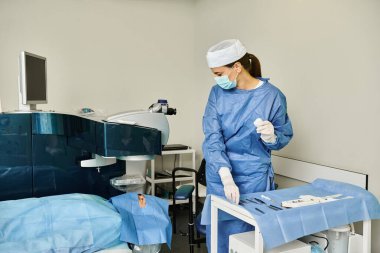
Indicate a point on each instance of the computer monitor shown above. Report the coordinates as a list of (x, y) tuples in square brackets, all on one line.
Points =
[(33, 88)]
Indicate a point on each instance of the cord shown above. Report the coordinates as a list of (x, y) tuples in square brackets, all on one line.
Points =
[(327, 240)]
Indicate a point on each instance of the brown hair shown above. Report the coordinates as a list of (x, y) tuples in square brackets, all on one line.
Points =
[(249, 63)]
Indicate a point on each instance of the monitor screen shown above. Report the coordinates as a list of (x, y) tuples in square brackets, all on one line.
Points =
[(33, 78)]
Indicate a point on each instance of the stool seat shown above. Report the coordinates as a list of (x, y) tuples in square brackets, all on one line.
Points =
[(184, 192)]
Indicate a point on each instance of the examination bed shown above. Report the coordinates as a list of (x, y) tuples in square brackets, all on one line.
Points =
[(83, 223), (44, 191), (62, 223)]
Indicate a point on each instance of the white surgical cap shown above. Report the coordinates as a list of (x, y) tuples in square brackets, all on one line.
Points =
[(225, 52)]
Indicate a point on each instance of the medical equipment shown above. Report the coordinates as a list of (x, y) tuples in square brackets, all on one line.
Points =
[(42, 153), (162, 106), (338, 239), (145, 119), (129, 183), (245, 242), (316, 248), (306, 200), (259, 201), (154, 248), (155, 117), (355, 241), (127, 180), (152, 118), (32, 81)]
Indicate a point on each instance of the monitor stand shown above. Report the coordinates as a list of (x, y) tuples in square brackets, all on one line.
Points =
[(25, 108), (21, 106)]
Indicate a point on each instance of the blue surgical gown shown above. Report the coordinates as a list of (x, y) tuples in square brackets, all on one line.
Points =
[(231, 141)]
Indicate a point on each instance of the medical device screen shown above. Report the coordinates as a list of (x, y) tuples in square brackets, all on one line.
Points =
[(35, 77)]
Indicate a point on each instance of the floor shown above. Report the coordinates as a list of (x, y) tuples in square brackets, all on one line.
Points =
[(180, 244)]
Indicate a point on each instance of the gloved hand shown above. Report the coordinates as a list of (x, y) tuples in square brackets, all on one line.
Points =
[(266, 129), (230, 189)]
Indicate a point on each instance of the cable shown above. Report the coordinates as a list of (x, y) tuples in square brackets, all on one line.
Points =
[(327, 240)]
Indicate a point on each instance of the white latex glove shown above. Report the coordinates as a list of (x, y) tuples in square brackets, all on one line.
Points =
[(266, 129), (230, 189)]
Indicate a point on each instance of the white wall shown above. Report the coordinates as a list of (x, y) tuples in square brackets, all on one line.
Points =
[(110, 55), (124, 54), (325, 56)]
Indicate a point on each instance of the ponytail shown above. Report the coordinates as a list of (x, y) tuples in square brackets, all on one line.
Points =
[(249, 63), (255, 68)]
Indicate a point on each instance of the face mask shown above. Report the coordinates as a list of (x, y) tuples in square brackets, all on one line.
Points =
[(224, 82)]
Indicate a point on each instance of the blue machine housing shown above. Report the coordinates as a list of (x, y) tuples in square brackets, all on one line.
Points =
[(40, 153)]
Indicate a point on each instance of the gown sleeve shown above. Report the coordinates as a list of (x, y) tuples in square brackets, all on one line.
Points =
[(281, 122), (214, 148)]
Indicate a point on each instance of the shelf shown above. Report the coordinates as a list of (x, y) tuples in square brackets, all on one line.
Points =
[(177, 152), (156, 181), (168, 180)]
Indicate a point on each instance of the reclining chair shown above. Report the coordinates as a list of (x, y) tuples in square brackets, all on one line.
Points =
[(185, 192)]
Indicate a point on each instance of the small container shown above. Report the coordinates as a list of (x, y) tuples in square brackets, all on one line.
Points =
[(128, 180), (153, 248), (338, 239), (130, 183)]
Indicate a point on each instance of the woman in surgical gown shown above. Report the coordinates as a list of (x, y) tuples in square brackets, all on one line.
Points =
[(245, 119)]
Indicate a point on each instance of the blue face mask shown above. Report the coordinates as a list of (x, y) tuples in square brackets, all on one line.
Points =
[(225, 83)]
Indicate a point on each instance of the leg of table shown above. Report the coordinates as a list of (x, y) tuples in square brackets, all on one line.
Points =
[(259, 244), (153, 176), (214, 229), (367, 236), (193, 167)]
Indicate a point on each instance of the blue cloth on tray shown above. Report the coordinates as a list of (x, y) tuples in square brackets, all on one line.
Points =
[(143, 225), (280, 227), (62, 223)]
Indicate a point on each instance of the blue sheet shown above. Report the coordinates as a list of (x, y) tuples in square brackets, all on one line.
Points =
[(143, 225), (280, 227), (62, 223)]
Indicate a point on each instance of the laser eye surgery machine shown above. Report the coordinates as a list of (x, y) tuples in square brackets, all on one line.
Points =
[(154, 117)]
